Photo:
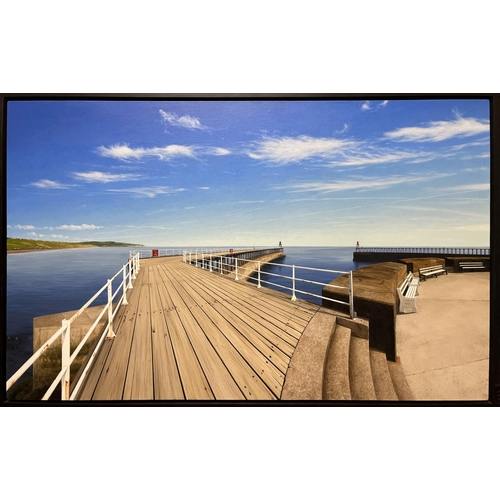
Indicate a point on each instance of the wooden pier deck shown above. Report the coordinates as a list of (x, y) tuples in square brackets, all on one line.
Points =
[(189, 334)]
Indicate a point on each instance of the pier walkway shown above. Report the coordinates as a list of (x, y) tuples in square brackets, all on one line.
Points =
[(192, 334)]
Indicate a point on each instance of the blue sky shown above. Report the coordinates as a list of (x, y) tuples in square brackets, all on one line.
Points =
[(194, 173)]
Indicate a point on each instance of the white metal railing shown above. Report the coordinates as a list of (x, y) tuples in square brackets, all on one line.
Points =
[(169, 252), (126, 274), (231, 265)]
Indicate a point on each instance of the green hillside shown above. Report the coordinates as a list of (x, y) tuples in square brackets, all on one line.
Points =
[(26, 244)]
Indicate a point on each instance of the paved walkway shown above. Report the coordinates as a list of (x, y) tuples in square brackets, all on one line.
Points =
[(444, 347)]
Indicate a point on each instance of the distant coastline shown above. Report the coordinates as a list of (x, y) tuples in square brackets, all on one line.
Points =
[(19, 245)]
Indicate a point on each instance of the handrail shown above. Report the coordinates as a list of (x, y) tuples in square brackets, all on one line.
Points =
[(128, 273), (427, 250), (171, 252), (228, 265)]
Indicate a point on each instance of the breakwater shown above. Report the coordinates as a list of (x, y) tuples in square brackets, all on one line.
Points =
[(394, 254)]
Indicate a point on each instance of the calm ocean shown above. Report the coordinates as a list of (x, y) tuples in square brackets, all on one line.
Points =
[(52, 281)]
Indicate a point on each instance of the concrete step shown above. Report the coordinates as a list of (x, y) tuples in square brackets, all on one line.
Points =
[(304, 377), (399, 381), (382, 381), (336, 385), (360, 373)]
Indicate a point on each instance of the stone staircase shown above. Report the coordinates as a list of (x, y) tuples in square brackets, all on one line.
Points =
[(333, 361)]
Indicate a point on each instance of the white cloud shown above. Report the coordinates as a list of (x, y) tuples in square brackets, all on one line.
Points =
[(185, 121), (368, 106), (125, 153), (335, 152), (440, 130), (469, 187), (48, 184), (104, 177), (81, 227), (476, 169), (284, 150), (216, 151), (20, 226), (148, 192), (373, 157), (359, 183)]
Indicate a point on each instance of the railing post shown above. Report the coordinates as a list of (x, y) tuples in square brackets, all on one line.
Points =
[(258, 276), (351, 297), (130, 266), (196, 259), (210, 262), (65, 358), (293, 283), (111, 333), (236, 268), (124, 285)]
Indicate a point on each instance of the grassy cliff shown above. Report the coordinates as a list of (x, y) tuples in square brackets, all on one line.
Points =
[(26, 244)]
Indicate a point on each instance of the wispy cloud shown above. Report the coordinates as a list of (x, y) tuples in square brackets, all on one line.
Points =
[(81, 227), (104, 177), (359, 183), (372, 156), (284, 150), (370, 106), (215, 151), (148, 192), (476, 169), (334, 152), (185, 121), (468, 187), (48, 184), (440, 130), (20, 226)]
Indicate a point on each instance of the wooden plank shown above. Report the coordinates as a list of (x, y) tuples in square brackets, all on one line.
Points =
[(197, 327), (272, 377), (262, 322), (237, 363), (112, 380), (194, 382), (166, 378), (261, 309), (231, 301), (270, 344), (220, 379), (139, 381), (193, 378), (240, 363)]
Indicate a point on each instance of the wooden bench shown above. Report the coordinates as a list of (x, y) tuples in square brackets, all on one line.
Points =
[(471, 265), (425, 272), (407, 291)]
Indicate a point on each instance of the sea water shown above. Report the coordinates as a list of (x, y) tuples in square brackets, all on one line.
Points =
[(54, 281)]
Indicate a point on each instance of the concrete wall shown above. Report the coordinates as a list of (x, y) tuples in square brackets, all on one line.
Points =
[(376, 299), (49, 364)]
